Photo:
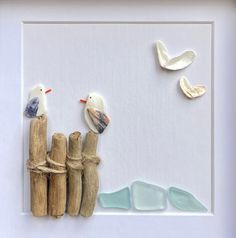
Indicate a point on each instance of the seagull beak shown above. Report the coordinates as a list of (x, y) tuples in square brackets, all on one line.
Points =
[(83, 100), (48, 91)]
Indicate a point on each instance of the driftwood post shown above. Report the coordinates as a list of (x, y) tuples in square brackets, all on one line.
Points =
[(90, 175), (57, 184), (37, 158), (74, 167)]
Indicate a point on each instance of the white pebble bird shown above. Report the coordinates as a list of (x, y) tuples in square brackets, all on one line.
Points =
[(94, 114), (37, 104)]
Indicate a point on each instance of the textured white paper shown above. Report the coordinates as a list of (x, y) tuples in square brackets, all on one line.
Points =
[(156, 135)]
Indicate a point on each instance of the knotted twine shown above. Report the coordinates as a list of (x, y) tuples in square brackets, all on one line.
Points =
[(74, 163), (94, 159), (41, 167)]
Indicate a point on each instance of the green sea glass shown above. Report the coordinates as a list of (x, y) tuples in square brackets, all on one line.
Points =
[(184, 201), (148, 197), (119, 199)]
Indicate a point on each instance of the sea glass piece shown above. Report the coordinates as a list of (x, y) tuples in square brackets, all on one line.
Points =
[(119, 199), (32, 107), (184, 201), (148, 197)]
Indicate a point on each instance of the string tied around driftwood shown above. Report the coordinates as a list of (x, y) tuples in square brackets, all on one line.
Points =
[(91, 159), (74, 163), (41, 167), (58, 167)]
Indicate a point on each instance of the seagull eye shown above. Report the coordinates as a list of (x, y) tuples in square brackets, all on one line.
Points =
[(41, 89), (90, 97)]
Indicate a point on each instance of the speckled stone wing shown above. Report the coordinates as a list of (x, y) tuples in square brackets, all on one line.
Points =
[(99, 119), (32, 107)]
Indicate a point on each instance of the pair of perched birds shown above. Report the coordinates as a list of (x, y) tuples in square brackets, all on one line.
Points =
[(94, 114)]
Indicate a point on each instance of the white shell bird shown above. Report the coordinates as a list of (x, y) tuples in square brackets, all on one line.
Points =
[(94, 114), (174, 63), (37, 105), (189, 90)]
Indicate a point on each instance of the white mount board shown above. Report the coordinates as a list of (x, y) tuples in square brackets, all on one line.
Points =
[(156, 134), (14, 222)]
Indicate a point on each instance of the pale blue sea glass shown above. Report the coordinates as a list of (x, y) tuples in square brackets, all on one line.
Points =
[(148, 197), (184, 201), (119, 199)]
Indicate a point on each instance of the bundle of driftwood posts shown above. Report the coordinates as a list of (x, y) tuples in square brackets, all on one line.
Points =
[(64, 179)]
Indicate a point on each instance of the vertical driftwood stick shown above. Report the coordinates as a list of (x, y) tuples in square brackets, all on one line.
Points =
[(37, 156), (90, 175), (57, 184), (74, 167)]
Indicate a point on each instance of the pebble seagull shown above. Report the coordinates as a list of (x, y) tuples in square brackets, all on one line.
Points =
[(37, 105), (94, 114)]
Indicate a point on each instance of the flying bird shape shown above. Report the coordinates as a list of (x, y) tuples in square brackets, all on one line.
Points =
[(94, 114), (37, 105), (174, 63), (189, 90)]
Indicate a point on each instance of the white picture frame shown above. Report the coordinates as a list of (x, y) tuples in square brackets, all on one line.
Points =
[(15, 222)]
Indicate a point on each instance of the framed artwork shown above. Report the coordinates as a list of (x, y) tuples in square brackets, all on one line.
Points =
[(156, 93)]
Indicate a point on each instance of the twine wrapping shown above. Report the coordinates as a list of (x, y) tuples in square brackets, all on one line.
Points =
[(74, 163), (37, 165), (41, 167), (90, 175), (37, 168), (91, 159), (57, 181), (58, 167)]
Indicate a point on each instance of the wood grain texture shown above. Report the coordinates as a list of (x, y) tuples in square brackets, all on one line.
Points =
[(90, 175), (57, 184), (74, 167), (37, 154)]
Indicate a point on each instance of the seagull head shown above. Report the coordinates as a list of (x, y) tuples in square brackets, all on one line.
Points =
[(40, 90), (92, 100)]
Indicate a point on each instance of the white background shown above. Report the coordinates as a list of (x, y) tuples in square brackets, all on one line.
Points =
[(156, 134), (14, 223)]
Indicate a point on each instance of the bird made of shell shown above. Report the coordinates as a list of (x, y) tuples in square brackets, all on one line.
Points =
[(178, 62), (189, 90), (95, 117)]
